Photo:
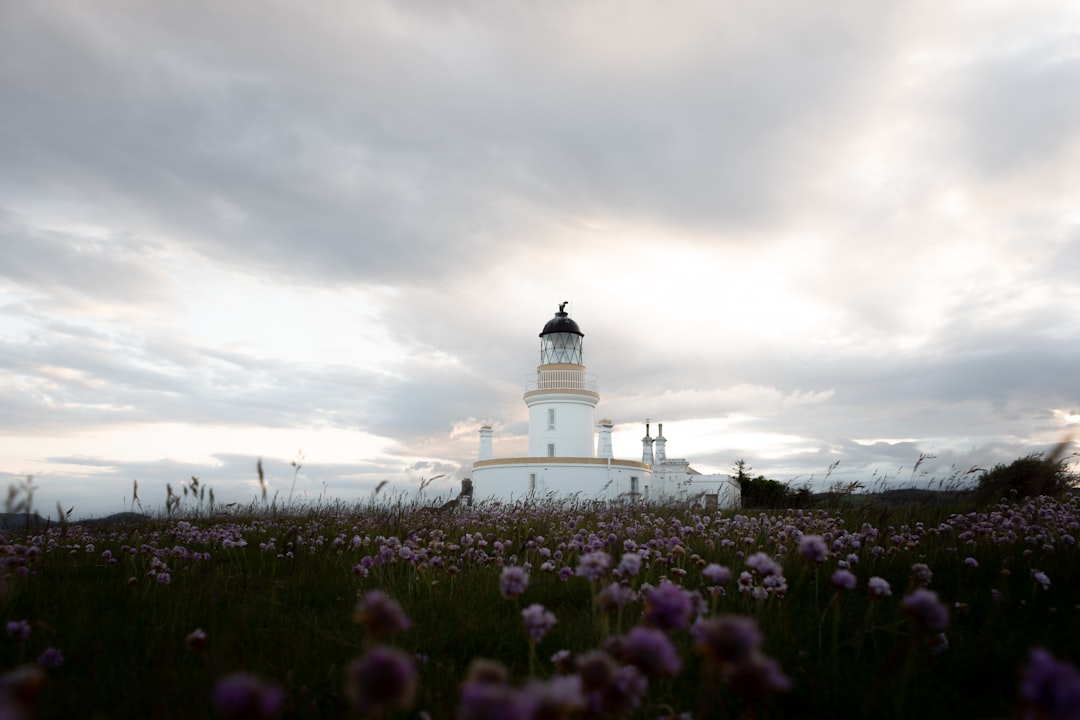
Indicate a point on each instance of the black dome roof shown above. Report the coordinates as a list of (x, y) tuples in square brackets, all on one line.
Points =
[(561, 323)]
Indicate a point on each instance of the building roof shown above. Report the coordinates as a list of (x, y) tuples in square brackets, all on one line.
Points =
[(561, 323)]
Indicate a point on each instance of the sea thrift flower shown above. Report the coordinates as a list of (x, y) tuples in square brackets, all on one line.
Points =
[(18, 629), (728, 638), (630, 563), (971, 562), (843, 579), (19, 691), (243, 696), (610, 690), (1050, 688), (51, 659), (920, 574), (563, 661), (384, 678), (924, 607), (734, 643), (878, 587), (813, 548), (538, 621), (486, 671), (513, 581), (195, 640), (1039, 575), (668, 607), (560, 697), (613, 596), (763, 565), (380, 613), (484, 701), (596, 669), (651, 651), (592, 566), (716, 574), (486, 693), (759, 678)]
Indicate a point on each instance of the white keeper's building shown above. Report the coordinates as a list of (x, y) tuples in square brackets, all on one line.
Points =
[(571, 454)]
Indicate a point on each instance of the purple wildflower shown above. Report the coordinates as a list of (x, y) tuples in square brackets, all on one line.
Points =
[(651, 651), (728, 638), (813, 548), (763, 565), (622, 691), (384, 678), (486, 693), (18, 629), (971, 562), (1049, 687), (844, 579), (50, 659), (596, 669), (734, 644), (759, 677), (538, 621), (195, 640), (563, 661), (513, 581), (20, 690), (1039, 575), (592, 566), (920, 574), (380, 613), (924, 607), (560, 697), (481, 701), (668, 607), (242, 696), (613, 596), (716, 574), (878, 587), (630, 563)]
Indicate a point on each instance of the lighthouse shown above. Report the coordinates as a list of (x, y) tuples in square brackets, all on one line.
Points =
[(561, 396), (570, 455)]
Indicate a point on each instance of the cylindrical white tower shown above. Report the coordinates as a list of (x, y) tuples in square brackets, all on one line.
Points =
[(561, 396), (661, 443), (486, 452)]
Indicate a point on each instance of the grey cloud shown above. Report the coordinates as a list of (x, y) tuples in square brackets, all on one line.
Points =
[(73, 268), (1019, 106), (400, 162)]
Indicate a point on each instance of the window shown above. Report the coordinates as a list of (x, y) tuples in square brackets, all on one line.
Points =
[(551, 418), (633, 485), (532, 483), (551, 449)]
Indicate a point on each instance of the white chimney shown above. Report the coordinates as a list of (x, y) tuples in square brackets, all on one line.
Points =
[(646, 447), (486, 453), (603, 439), (661, 443)]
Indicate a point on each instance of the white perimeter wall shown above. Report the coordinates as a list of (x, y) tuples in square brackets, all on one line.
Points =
[(591, 481)]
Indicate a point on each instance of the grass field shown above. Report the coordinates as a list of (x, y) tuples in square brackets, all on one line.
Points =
[(580, 610)]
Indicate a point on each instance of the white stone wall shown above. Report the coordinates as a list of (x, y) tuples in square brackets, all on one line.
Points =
[(513, 479)]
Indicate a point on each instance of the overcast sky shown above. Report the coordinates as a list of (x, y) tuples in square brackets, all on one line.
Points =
[(795, 233)]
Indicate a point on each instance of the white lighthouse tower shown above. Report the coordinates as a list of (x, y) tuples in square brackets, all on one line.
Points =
[(561, 396), (566, 459)]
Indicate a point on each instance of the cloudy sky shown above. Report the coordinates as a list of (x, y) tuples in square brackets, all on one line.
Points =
[(328, 234)]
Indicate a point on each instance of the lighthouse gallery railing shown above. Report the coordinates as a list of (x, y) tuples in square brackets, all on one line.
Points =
[(561, 380)]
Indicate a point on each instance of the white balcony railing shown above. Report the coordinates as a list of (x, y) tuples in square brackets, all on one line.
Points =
[(561, 380)]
